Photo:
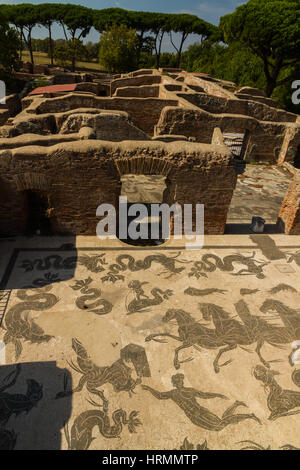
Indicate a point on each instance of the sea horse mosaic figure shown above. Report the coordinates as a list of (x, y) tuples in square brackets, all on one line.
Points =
[(253, 329), (118, 374), (210, 263), (91, 294), (186, 399), (290, 317), (19, 326), (125, 261), (142, 301), (190, 333), (228, 334), (81, 434)]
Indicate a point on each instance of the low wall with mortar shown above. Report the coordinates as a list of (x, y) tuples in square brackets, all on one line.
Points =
[(45, 124), (266, 138), (219, 105), (144, 112), (138, 80), (79, 176), (144, 91)]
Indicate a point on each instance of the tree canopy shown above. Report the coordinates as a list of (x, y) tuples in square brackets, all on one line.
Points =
[(76, 22), (8, 49), (271, 30), (118, 49)]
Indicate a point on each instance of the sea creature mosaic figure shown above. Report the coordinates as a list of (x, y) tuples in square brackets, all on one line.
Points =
[(81, 435), (294, 257), (142, 301), (290, 318), (92, 263), (229, 333), (125, 261), (280, 402), (8, 439), (119, 374), (186, 399), (91, 294), (190, 333), (210, 263), (296, 377), (16, 403), (250, 330), (203, 292), (18, 324)]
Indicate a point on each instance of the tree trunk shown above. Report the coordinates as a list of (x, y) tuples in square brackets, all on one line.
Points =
[(28, 42), (140, 45), (183, 38), (64, 30), (73, 52), (272, 75), (50, 43), (158, 52), (21, 42), (30, 48), (271, 85)]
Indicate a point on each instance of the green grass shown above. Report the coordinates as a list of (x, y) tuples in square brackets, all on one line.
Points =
[(41, 58)]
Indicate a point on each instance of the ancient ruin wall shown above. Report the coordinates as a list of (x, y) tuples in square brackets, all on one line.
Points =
[(289, 215), (139, 91), (144, 112), (266, 137), (134, 81), (219, 105), (79, 176)]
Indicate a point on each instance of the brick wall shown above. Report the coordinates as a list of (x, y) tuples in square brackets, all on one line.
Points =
[(289, 215), (82, 175), (144, 112)]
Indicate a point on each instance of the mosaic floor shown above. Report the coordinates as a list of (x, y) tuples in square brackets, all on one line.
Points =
[(114, 347)]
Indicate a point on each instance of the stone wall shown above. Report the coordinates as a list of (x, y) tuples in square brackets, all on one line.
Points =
[(209, 85), (144, 91), (134, 81), (4, 115), (106, 126), (45, 124), (219, 105), (89, 87), (13, 104), (144, 112), (266, 138), (79, 176), (289, 215)]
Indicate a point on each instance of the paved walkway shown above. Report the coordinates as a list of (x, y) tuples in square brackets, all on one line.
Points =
[(114, 347), (259, 192)]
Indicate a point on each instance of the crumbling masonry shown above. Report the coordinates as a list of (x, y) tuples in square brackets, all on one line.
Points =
[(75, 147)]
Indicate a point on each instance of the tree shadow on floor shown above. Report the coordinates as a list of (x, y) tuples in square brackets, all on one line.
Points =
[(30, 417)]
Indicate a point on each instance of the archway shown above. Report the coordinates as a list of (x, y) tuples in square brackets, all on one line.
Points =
[(143, 181), (147, 190), (38, 212)]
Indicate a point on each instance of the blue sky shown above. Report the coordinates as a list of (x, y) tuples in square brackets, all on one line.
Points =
[(209, 10)]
